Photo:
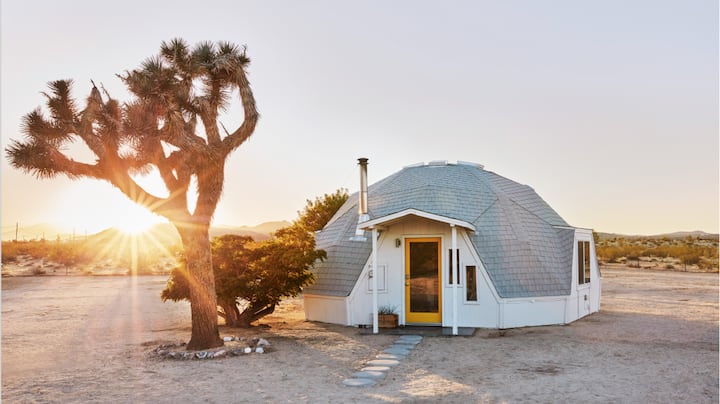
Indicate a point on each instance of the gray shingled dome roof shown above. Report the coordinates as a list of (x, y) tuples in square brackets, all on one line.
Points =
[(525, 246)]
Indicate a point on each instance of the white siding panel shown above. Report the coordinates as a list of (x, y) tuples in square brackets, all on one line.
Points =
[(326, 309), (533, 312)]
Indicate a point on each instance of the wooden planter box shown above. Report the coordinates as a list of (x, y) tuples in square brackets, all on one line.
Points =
[(387, 320)]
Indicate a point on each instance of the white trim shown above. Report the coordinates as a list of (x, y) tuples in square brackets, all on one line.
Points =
[(370, 224), (456, 276), (374, 280)]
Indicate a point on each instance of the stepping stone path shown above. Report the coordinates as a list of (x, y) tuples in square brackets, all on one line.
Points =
[(377, 368)]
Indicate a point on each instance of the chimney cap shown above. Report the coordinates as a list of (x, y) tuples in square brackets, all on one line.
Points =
[(362, 160)]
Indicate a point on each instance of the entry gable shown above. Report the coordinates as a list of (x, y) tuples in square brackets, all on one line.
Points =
[(389, 219)]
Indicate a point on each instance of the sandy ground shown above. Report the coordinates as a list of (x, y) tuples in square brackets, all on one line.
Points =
[(87, 339)]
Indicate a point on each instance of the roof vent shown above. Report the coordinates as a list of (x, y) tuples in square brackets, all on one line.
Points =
[(438, 163), (470, 163)]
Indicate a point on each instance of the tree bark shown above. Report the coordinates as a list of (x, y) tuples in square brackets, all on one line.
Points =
[(230, 313), (203, 300), (252, 313)]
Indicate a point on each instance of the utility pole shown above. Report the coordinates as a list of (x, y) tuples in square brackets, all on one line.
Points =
[(16, 230)]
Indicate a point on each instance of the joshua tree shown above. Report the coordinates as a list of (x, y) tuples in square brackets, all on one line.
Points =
[(156, 131)]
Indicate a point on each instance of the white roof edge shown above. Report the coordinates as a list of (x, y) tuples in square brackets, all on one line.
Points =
[(573, 228), (368, 225)]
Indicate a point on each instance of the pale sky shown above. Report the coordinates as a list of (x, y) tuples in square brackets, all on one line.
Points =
[(608, 109)]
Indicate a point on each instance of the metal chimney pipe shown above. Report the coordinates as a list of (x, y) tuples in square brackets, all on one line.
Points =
[(363, 205), (363, 202)]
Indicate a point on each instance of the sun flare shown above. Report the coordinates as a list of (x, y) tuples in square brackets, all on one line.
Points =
[(136, 220), (133, 226)]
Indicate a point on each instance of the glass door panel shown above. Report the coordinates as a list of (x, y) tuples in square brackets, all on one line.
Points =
[(422, 280)]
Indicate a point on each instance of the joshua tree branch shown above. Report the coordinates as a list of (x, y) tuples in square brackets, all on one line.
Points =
[(245, 130)]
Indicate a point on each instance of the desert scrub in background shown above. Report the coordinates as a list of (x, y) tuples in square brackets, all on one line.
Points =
[(11, 250), (82, 252), (688, 251)]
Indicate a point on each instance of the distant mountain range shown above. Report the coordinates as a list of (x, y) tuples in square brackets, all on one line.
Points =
[(164, 232)]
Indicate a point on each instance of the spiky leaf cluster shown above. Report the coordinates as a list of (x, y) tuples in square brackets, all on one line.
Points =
[(156, 129)]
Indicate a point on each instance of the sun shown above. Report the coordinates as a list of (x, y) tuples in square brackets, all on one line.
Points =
[(134, 226), (136, 220)]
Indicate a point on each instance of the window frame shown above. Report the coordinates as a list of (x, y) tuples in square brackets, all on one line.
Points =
[(584, 266), (474, 284), (451, 273)]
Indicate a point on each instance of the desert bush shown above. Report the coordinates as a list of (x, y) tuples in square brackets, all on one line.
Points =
[(691, 258), (251, 277)]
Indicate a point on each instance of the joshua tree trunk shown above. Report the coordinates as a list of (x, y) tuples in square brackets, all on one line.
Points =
[(203, 300)]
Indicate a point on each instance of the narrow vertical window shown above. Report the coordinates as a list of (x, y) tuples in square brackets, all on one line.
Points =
[(470, 284), (452, 276), (586, 259), (583, 262)]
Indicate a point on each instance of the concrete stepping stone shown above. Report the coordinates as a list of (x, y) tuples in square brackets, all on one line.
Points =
[(359, 382), (402, 346), (369, 374), (397, 351), (389, 356), (406, 342), (375, 369), (383, 362)]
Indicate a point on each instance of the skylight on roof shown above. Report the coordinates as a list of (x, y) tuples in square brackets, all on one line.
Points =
[(470, 163)]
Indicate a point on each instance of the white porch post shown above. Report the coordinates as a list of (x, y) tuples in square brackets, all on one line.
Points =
[(374, 280), (455, 279)]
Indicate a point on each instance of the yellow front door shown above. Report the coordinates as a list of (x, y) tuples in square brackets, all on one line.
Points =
[(423, 291)]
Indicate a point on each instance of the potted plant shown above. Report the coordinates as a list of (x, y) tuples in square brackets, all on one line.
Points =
[(387, 316)]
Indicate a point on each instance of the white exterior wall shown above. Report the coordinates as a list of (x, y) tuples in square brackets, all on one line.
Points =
[(327, 309), (584, 299), (532, 311), (481, 313), (391, 264)]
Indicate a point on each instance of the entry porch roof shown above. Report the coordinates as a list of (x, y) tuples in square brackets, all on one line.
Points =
[(388, 220)]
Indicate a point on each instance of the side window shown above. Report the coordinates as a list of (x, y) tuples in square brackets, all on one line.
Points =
[(451, 276), (586, 259), (470, 284), (583, 254)]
